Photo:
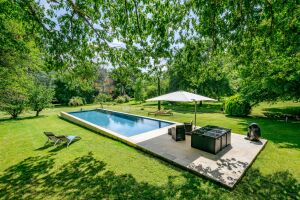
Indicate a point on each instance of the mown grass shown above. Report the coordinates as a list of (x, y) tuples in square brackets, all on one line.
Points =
[(99, 167)]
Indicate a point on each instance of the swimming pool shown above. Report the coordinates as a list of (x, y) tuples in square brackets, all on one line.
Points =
[(124, 124)]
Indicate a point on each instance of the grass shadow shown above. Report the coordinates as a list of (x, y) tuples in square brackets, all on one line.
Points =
[(294, 110), (285, 135), (45, 146), (87, 178), (21, 118), (61, 146)]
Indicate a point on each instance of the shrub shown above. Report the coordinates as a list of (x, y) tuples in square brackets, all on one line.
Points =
[(102, 97), (280, 115), (13, 102), (120, 99), (127, 98), (76, 101), (274, 115), (237, 106)]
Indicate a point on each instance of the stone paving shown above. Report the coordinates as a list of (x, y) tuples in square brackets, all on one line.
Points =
[(226, 167)]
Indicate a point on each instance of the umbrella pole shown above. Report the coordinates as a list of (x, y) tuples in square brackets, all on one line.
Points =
[(195, 114)]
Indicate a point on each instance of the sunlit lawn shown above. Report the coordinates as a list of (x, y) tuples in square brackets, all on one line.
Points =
[(99, 167)]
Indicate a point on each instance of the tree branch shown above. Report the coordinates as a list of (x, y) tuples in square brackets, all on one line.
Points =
[(37, 18), (86, 18), (137, 17)]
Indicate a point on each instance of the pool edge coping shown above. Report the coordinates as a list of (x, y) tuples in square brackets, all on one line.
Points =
[(110, 133)]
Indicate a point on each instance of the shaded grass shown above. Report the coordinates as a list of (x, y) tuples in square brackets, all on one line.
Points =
[(87, 177), (98, 167)]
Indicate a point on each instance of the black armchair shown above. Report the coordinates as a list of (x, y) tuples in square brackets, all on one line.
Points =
[(188, 127), (178, 133)]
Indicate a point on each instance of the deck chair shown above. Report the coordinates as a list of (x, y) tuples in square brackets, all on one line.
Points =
[(167, 112), (161, 112), (188, 127), (68, 139), (51, 138)]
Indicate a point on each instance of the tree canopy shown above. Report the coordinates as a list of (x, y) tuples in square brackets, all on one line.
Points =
[(212, 47)]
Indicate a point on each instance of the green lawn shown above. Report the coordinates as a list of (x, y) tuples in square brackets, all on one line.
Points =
[(99, 167)]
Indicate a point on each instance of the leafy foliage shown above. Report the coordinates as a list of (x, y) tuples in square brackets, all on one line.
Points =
[(64, 92), (20, 55), (76, 101), (40, 97), (13, 102), (102, 97), (124, 78), (139, 90), (121, 99), (256, 41), (196, 68), (237, 106), (265, 41)]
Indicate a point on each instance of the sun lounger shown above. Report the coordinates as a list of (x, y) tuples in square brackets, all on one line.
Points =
[(60, 138), (161, 112), (51, 138), (68, 139)]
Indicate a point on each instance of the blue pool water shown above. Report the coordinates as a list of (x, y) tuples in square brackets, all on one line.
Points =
[(127, 125)]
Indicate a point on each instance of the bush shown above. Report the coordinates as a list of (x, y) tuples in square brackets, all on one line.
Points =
[(76, 101), (274, 115), (102, 97), (127, 98), (280, 115), (237, 106), (13, 102), (120, 99)]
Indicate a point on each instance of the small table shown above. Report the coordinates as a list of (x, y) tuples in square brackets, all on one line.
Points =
[(211, 139)]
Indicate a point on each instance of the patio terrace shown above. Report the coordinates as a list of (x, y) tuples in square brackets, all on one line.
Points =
[(226, 167)]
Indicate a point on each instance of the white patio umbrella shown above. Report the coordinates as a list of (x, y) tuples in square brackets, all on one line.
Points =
[(182, 96)]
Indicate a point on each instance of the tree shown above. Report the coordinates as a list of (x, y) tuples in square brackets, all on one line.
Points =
[(20, 58), (124, 79), (40, 97), (196, 68), (266, 49), (13, 101), (14, 87), (139, 90), (261, 36)]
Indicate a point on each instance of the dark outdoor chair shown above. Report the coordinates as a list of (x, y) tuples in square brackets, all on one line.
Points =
[(254, 132), (188, 127), (178, 133), (68, 139), (51, 138), (60, 138)]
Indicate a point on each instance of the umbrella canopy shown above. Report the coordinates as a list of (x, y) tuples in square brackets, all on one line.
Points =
[(182, 96)]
